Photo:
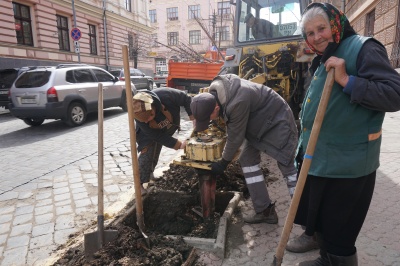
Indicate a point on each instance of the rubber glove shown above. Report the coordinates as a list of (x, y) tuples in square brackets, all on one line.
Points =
[(219, 167)]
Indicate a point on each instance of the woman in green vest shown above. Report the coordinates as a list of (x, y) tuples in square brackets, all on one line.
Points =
[(341, 178)]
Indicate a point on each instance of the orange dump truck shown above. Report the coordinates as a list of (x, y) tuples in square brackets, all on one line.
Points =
[(191, 76)]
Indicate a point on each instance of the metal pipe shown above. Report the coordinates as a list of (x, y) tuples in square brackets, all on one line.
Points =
[(105, 33)]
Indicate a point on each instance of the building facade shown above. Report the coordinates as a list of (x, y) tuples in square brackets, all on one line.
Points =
[(51, 32), (186, 30)]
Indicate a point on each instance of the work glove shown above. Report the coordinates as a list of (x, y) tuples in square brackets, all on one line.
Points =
[(219, 167)]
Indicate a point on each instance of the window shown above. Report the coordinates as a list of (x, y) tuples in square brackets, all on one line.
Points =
[(63, 33), (172, 38), (223, 32), (369, 24), (128, 5), (194, 12), (102, 76), (23, 24), (172, 13), (194, 37), (224, 8), (154, 40), (79, 76), (161, 66), (92, 39), (153, 16)]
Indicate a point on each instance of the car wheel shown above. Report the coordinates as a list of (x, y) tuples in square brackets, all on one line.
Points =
[(34, 122), (123, 105), (150, 86), (76, 114)]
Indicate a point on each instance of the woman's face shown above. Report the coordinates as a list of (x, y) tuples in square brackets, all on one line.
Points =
[(318, 33)]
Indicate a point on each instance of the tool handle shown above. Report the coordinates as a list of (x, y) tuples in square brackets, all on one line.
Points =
[(100, 146), (132, 130), (305, 167)]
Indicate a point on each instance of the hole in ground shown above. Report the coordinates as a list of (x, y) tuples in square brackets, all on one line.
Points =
[(174, 213)]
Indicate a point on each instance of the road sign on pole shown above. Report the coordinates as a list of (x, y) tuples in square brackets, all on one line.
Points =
[(76, 34)]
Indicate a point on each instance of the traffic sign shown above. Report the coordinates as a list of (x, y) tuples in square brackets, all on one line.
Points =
[(76, 34)]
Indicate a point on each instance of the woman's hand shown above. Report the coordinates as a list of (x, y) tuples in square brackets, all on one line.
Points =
[(339, 65)]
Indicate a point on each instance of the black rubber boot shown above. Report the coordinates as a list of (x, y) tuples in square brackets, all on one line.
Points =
[(343, 260), (323, 259)]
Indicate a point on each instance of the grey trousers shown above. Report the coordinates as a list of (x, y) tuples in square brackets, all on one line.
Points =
[(250, 159)]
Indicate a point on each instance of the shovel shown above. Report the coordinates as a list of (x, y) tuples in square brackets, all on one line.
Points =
[(135, 164), (95, 240), (319, 118)]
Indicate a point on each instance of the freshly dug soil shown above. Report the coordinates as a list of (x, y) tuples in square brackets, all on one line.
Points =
[(170, 209)]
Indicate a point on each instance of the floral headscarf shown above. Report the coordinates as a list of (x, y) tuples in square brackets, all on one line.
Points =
[(340, 27)]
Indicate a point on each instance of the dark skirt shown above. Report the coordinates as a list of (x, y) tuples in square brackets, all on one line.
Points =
[(336, 208)]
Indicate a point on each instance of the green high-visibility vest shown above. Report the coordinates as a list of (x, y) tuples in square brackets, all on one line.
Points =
[(349, 142)]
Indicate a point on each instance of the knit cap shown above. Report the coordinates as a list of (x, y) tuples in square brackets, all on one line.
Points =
[(142, 108)]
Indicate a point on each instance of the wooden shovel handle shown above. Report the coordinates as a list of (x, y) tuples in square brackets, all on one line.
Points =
[(132, 130), (305, 167)]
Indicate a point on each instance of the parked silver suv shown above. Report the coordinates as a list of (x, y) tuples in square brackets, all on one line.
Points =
[(67, 92)]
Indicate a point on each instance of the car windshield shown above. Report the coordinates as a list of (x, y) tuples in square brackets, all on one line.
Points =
[(267, 19), (162, 73), (33, 79)]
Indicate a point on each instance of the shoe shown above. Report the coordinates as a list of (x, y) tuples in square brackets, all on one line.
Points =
[(268, 216), (343, 260), (322, 260), (143, 191), (302, 243)]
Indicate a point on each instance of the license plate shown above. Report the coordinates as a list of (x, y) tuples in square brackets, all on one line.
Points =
[(28, 100), (3, 92)]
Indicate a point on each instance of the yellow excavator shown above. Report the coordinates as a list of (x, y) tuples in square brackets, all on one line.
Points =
[(277, 56)]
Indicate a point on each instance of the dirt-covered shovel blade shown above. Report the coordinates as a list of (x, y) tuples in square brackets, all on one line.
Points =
[(135, 164), (319, 118), (95, 240)]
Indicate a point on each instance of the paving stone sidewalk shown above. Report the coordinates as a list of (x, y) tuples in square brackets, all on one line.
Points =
[(42, 214)]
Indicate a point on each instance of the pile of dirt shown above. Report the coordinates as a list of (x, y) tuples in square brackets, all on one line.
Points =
[(180, 178), (129, 248)]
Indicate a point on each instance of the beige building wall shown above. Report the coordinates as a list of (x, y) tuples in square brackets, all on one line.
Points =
[(45, 50), (385, 21)]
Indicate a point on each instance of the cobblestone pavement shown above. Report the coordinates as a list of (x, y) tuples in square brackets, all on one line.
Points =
[(41, 206)]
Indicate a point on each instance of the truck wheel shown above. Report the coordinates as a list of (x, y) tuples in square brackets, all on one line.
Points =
[(76, 114), (34, 122)]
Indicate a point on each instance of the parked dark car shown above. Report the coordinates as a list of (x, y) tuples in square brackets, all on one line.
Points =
[(161, 78), (138, 78), (7, 78)]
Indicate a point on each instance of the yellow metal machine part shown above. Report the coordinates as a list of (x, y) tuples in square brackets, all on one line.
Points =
[(205, 147)]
